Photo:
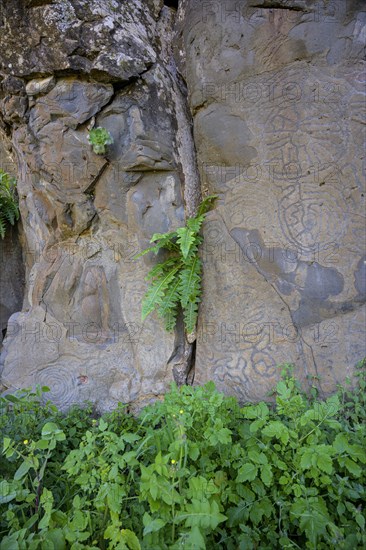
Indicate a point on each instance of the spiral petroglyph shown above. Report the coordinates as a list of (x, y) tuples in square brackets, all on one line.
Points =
[(63, 384)]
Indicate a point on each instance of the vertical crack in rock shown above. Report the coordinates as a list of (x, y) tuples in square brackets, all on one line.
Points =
[(182, 359), (184, 139)]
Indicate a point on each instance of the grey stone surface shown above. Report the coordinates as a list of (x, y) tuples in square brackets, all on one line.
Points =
[(38, 86), (276, 92), (85, 216), (111, 39)]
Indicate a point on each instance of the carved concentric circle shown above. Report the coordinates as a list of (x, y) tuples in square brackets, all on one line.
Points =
[(312, 217), (62, 383)]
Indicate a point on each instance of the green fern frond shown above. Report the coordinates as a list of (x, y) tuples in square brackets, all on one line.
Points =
[(190, 281), (155, 295), (194, 224), (9, 211), (176, 282), (169, 308), (206, 205), (163, 237), (161, 240), (190, 313), (186, 239), (159, 269)]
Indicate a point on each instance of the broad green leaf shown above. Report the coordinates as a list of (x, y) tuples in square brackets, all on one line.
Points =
[(306, 459), (203, 514), (56, 537), (360, 520), (7, 492), (247, 472), (195, 539), (340, 443), (325, 463), (6, 443), (130, 539), (11, 398), (42, 444), (49, 429), (103, 425), (153, 526), (257, 457), (266, 474), (352, 467), (22, 470), (259, 411), (277, 429)]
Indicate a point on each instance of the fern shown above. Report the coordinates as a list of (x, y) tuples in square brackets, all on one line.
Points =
[(175, 284), (161, 240), (186, 239), (155, 295), (170, 306), (190, 280), (9, 211)]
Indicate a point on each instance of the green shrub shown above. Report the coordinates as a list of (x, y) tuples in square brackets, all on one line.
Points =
[(193, 471), (9, 211)]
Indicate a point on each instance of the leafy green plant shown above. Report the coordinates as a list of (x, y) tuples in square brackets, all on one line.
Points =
[(176, 282), (99, 138), (9, 211), (195, 471)]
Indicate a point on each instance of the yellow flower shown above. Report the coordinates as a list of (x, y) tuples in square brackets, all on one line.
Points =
[(173, 461), (181, 411), (26, 442)]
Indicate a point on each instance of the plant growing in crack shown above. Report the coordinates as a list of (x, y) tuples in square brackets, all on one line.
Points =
[(9, 211), (175, 284), (98, 139)]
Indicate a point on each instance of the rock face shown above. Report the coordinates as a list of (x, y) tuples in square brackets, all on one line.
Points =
[(275, 92), (85, 216)]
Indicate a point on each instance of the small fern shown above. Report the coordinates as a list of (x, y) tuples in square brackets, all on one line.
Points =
[(9, 211), (175, 284)]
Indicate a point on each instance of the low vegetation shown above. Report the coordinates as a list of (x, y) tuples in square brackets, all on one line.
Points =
[(193, 471), (9, 211)]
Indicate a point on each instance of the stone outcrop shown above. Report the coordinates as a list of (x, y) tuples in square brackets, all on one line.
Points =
[(275, 93), (85, 216), (276, 89)]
